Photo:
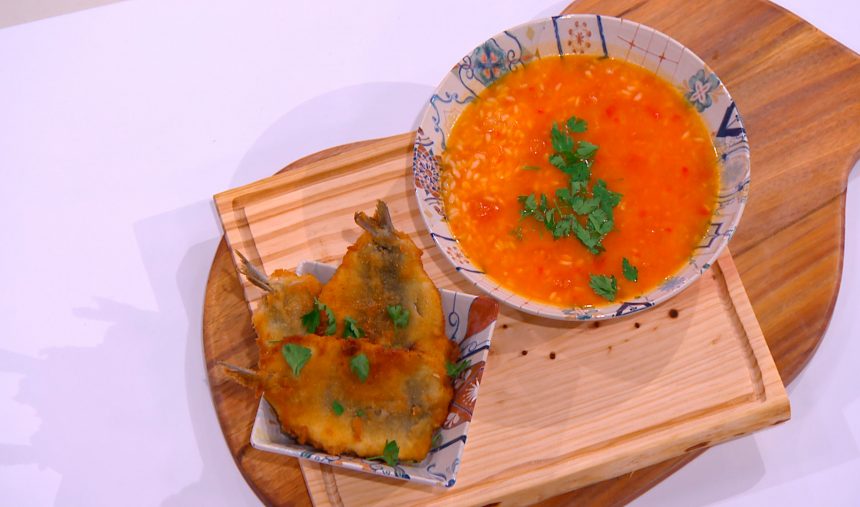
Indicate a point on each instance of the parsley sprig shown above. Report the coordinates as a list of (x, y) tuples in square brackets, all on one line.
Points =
[(604, 286), (311, 320), (360, 365), (351, 329), (296, 356), (582, 209), (336, 407), (575, 210), (630, 271), (398, 315), (455, 369), (390, 454)]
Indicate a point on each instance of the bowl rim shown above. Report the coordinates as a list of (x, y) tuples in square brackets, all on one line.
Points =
[(615, 309)]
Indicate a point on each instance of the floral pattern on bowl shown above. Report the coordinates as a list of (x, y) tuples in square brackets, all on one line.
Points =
[(469, 322), (593, 35)]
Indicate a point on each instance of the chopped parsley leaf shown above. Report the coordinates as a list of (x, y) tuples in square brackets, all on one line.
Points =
[(351, 329), (360, 365), (604, 286), (296, 356), (390, 454), (399, 316), (455, 369), (631, 272), (336, 407), (311, 320)]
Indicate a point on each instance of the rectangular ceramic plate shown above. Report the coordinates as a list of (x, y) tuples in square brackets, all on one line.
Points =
[(469, 322)]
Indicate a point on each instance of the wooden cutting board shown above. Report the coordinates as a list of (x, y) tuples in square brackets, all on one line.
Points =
[(789, 81), (561, 404)]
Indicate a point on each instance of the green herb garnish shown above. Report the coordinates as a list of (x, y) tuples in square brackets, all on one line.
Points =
[(529, 204), (606, 198), (455, 369), (631, 272), (390, 454), (588, 237), (576, 125), (585, 150), (604, 286), (359, 413), (336, 407), (531, 168), (437, 439), (575, 210), (360, 366), (561, 141), (296, 356), (399, 316), (600, 221), (311, 320), (332, 324), (351, 329)]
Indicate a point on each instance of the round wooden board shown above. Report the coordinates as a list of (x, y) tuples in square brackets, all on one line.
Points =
[(790, 82)]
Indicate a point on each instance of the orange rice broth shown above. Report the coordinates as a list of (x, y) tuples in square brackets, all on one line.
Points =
[(654, 149)]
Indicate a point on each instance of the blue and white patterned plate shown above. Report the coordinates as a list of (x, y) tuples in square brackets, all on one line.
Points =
[(469, 322), (591, 35)]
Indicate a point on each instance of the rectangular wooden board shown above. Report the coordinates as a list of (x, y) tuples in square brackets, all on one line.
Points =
[(562, 404)]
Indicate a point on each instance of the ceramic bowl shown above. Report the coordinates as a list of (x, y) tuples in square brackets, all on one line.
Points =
[(469, 322), (591, 35)]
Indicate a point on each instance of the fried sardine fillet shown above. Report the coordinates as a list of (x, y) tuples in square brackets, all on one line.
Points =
[(403, 398), (382, 273), (321, 395)]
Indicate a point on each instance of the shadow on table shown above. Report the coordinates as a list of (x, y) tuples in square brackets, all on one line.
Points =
[(153, 357), (350, 114)]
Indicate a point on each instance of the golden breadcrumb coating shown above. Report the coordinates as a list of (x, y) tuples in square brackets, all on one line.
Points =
[(406, 393)]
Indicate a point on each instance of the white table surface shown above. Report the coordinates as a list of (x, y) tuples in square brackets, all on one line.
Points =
[(118, 124)]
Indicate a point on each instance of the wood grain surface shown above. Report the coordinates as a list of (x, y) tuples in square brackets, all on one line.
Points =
[(635, 390), (691, 377), (790, 82)]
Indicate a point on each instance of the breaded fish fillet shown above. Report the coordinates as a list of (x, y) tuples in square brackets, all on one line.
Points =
[(403, 398), (381, 271), (399, 391)]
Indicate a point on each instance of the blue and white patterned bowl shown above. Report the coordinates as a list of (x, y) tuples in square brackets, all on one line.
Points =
[(469, 322), (591, 35)]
